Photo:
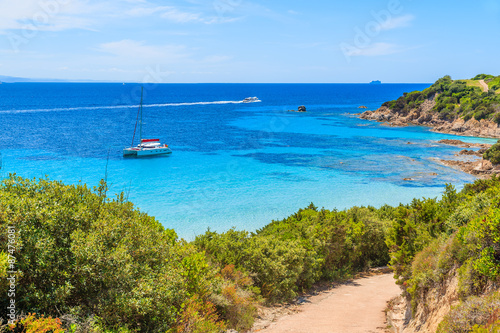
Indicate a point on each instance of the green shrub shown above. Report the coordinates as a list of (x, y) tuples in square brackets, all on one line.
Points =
[(496, 116), (103, 258), (453, 98), (290, 255), (493, 154), (481, 236), (471, 314), (482, 77)]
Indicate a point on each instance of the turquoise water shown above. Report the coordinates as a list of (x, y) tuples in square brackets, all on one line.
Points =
[(233, 165)]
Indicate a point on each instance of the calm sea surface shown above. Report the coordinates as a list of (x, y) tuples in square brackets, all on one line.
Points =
[(233, 164)]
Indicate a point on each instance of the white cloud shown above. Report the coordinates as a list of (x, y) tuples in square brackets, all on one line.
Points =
[(396, 22), (175, 15), (55, 15), (145, 11), (376, 49), (131, 50)]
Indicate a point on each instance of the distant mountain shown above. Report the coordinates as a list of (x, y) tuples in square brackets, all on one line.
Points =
[(14, 79), (376, 82), (10, 79)]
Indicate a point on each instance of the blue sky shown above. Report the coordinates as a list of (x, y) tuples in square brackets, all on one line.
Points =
[(248, 40)]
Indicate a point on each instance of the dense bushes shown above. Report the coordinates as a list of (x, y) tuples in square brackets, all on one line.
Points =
[(85, 256), (458, 235), (288, 256), (482, 77), (476, 314), (98, 263), (493, 154), (454, 99), (415, 226)]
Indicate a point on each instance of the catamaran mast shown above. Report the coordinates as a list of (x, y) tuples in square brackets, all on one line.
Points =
[(140, 124)]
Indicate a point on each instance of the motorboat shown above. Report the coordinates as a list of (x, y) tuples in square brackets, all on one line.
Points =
[(251, 100)]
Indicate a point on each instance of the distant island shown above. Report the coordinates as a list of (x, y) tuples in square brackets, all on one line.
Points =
[(376, 82), (14, 79)]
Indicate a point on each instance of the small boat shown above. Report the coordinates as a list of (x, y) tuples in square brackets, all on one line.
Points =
[(146, 147), (250, 100)]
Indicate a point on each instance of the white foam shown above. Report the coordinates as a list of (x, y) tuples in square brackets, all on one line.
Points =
[(83, 108)]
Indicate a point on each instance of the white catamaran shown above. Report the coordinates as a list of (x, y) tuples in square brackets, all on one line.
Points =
[(146, 147)]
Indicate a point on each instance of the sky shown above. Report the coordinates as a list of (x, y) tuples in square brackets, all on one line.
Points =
[(254, 41)]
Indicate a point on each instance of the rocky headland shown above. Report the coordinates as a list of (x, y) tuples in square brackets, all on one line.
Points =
[(405, 112), (469, 160), (425, 116)]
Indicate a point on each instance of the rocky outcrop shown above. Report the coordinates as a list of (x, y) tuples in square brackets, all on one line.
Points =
[(428, 314), (481, 168), (423, 115), (478, 167), (301, 108)]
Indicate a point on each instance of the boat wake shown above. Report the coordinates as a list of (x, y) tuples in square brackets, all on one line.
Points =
[(83, 108)]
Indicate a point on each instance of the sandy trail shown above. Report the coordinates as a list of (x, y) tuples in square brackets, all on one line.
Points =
[(484, 85), (354, 307)]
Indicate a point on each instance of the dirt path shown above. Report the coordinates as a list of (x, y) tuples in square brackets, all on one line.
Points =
[(354, 307), (484, 85)]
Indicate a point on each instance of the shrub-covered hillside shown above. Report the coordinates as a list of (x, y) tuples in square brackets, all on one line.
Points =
[(493, 154), (100, 265), (456, 98), (88, 263), (460, 234)]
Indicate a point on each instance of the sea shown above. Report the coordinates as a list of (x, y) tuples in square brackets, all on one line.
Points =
[(234, 165)]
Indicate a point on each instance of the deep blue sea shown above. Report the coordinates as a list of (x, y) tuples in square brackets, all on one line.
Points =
[(233, 164)]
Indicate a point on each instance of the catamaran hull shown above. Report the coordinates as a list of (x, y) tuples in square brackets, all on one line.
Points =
[(130, 152)]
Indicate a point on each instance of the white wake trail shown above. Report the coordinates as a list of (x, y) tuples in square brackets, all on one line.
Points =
[(84, 108)]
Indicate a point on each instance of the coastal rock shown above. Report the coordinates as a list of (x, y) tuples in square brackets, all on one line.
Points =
[(480, 168), (302, 108), (425, 116), (414, 115), (467, 152), (363, 107), (459, 143), (366, 115)]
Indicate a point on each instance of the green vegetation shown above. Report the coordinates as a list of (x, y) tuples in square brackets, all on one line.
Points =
[(477, 314), (312, 245), (454, 99), (99, 265), (88, 263), (483, 77), (493, 154), (460, 234), (494, 84)]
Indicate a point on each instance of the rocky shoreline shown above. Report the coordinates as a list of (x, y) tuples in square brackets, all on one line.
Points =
[(478, 167), (423, 116)]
